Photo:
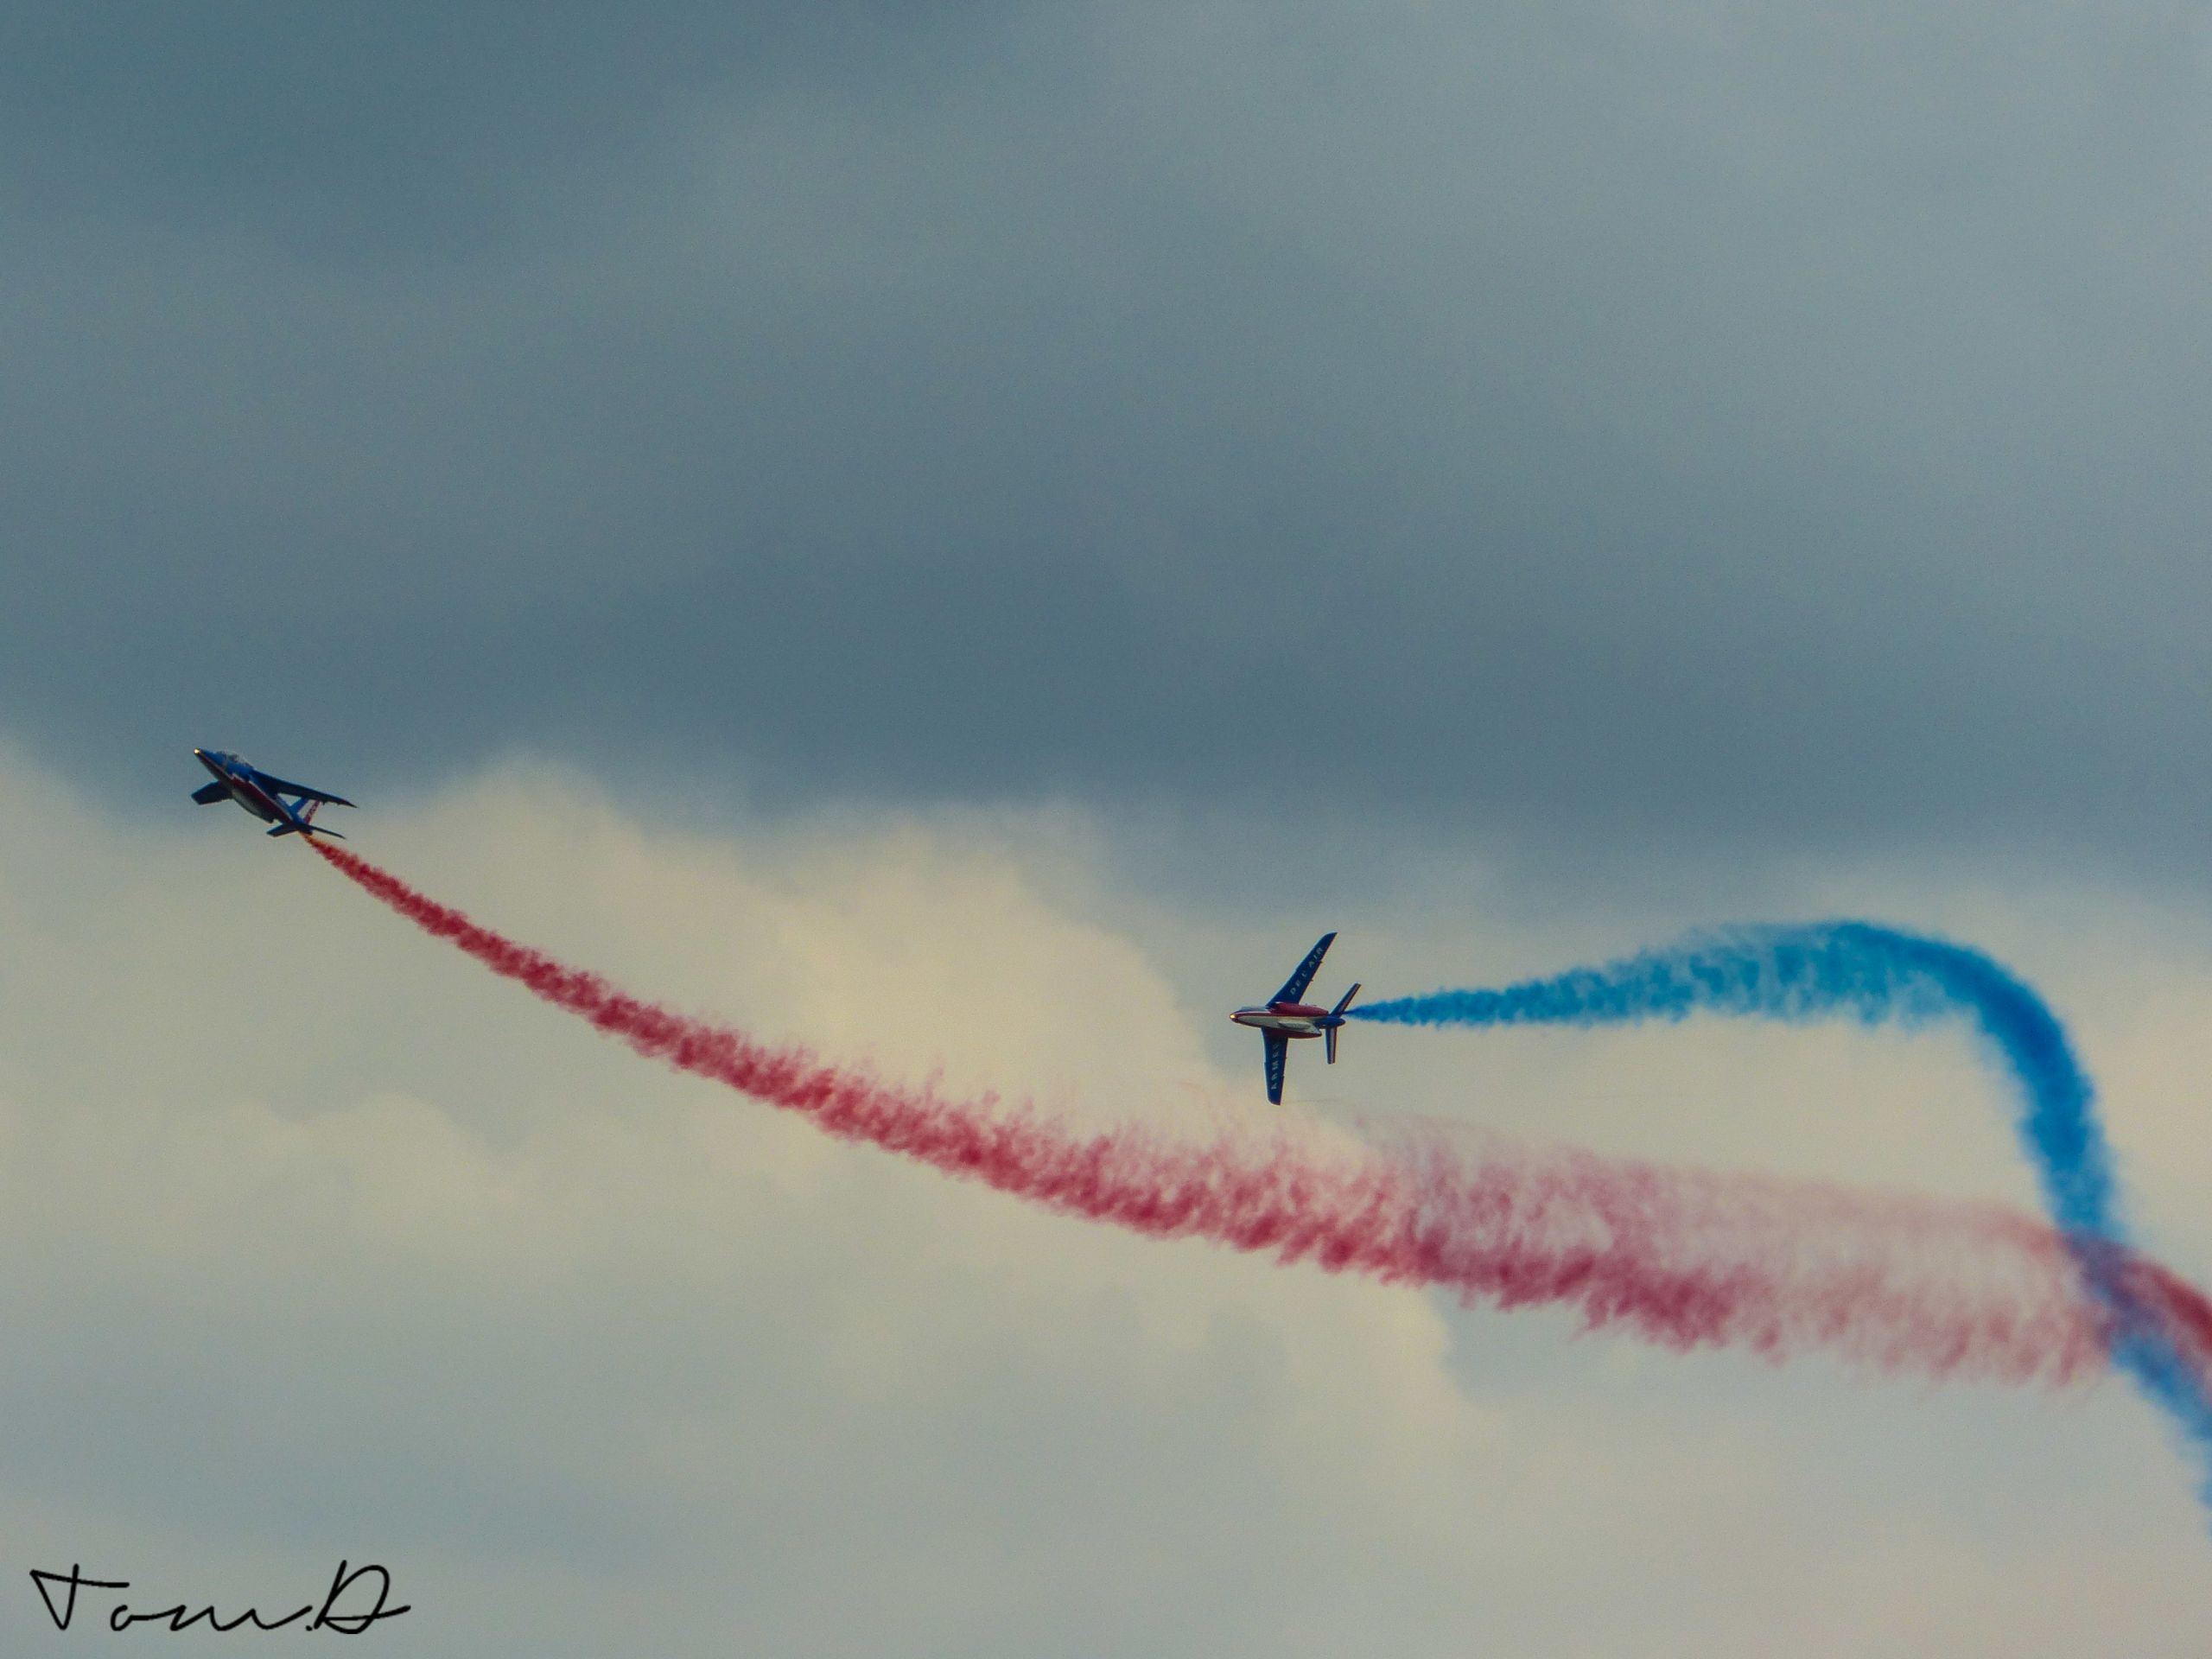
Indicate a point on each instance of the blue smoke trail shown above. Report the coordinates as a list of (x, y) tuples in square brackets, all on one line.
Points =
[(1878, 976)]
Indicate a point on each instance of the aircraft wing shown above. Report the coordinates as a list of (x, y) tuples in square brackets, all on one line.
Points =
[(208, 794), (1278, 1053), (277, 786), (1295, 987)]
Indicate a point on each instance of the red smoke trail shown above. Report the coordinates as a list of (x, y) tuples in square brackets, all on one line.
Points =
[(1679, 1258)]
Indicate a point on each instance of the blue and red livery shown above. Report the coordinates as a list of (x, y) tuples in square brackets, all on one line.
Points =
[(264, 796), (1283, 1017)]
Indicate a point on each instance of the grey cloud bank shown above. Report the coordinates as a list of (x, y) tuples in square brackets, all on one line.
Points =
[(1628, 427)]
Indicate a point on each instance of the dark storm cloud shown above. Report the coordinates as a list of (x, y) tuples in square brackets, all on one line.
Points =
[(1628, 426)]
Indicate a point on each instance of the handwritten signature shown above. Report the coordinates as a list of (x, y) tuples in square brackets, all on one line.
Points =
[(59, 1592)]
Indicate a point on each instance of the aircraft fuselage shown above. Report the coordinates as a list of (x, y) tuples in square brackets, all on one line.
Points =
[(1290, 1018), (264, 796), (244, 789)]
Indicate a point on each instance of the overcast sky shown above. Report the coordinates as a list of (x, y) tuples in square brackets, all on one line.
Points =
[(1639, 428), (797, 501)]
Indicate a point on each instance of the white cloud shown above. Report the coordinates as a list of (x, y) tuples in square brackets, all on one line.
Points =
[(315, 1240)]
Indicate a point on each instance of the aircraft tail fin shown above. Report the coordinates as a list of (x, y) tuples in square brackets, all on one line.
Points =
[(309, 827), (1338, 1013)]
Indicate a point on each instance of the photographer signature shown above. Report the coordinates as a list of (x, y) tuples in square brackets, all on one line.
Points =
[(59, 1592)]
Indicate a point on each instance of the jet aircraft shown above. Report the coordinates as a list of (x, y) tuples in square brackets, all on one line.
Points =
[(264, 796), (1283, 1017)]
